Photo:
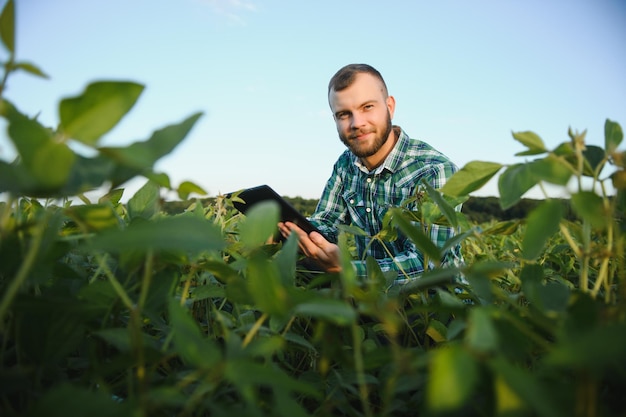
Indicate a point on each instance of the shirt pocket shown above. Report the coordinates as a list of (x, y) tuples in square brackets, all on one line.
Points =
[(356, 208)]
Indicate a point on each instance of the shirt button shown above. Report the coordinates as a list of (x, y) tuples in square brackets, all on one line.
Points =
[(368, 209), (369, 179), (351, 201)]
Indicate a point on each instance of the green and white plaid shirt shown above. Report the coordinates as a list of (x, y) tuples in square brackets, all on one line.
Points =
[(353, 195)]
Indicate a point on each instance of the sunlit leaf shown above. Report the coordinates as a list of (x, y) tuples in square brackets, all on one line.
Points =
[(513, 183), (114, 196), (97, 110), (94, 217), (564, 149), (7, 26), (532, 141), (437, 331), (453, 376), (470, 178), (541, 224), (187, 187), (591, 208), (260, 224), (145, 202), (535, 393), (507, 401), (507, 227), (613, 136)]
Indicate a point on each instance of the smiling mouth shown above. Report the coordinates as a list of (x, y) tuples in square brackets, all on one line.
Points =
[(359, 135)]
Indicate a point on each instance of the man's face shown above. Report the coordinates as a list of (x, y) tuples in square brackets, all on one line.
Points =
[(363, 116)]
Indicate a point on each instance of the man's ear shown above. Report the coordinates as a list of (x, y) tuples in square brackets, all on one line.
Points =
[(391, 105)]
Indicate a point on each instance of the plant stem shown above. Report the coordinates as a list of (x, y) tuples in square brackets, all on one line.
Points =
[(360, 372), (254, 330), (22, 273), (117, 287)]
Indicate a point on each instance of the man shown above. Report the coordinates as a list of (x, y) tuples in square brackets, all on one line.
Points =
[(381, 168)]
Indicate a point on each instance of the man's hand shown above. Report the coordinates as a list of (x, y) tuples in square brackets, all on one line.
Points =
[(314, 246)]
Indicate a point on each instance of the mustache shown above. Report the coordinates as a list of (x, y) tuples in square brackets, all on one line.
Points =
[(359, 132)]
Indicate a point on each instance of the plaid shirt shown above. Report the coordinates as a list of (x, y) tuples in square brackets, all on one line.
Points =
[(354, 195)]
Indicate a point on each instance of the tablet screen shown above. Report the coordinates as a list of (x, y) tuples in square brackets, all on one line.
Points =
[(255, 195)]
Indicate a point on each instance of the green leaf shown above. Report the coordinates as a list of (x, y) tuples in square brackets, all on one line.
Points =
[(97, 110), (334, 311), (481, 334), (348, 274), (28, 135), (416, 235), (513, 183), (447, 210), (590, 207), (594, 350), (552, 169), (550, 298), (535, 393), (264, 284), (66, 400), (613, 136), (187, 187), (7, 26), (541, 224), (31, 69), (532, 141), (87, 174), (180, 233), (453, 376), (594, 158), (189, 343), (437, 331), (94, 216), (139, 157), (146, 201), (52, 164), (470, 178), (113, 196), (260, 224), (286, 260), (142, 155)]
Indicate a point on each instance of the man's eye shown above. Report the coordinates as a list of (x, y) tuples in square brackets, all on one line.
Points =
[(368, 106), (342, 116)]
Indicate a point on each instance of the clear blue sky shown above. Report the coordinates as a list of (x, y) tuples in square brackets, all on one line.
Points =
[(465, 74)]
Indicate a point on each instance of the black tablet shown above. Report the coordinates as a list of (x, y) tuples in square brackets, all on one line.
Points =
[(288, 213)]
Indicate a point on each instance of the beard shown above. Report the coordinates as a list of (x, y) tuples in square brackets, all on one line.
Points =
[(365, 150)]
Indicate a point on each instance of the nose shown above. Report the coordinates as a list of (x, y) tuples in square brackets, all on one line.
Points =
[(357, 121)]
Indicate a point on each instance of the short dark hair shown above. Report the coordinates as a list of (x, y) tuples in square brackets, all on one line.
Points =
[(346, 75)]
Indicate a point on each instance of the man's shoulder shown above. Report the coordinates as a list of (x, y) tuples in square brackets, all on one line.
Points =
[(345, 161)]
